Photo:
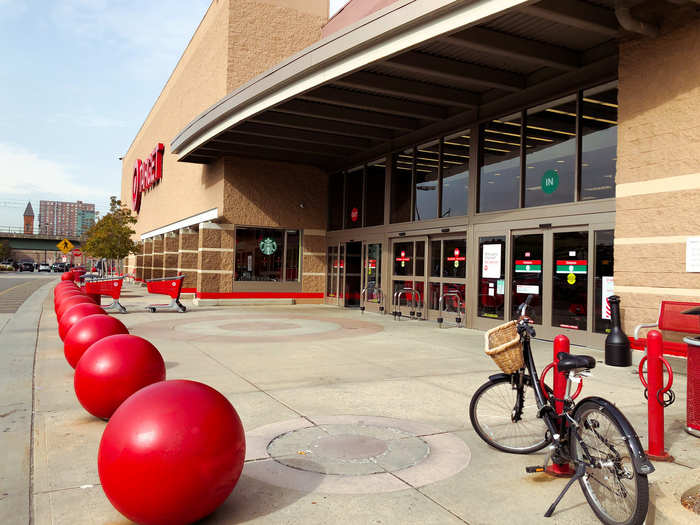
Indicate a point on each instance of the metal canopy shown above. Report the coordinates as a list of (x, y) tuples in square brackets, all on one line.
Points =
[(333, 115)]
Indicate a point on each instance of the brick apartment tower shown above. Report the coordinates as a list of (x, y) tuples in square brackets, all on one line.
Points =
[(29, 219)]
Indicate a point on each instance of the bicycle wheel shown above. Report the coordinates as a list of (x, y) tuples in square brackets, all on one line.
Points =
[(494, 415), (616, 492)]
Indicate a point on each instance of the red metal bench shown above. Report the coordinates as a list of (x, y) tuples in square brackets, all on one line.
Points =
[(111, 287), (171, 286), (671, 319)]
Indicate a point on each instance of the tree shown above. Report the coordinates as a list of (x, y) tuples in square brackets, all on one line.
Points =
[(111, 236), (5, 250)]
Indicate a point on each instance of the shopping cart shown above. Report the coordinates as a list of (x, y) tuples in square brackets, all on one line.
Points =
[(171, 286), (111, 287)]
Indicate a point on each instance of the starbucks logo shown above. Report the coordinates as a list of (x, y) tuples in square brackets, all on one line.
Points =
[(268, 246)]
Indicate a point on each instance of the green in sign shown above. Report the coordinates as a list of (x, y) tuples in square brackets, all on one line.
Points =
[(550, 181)]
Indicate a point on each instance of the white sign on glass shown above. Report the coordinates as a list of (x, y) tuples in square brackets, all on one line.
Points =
[(607, 291), (491, 261), (692, 254)]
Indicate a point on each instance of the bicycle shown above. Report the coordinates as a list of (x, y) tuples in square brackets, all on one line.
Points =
[(593, 435)]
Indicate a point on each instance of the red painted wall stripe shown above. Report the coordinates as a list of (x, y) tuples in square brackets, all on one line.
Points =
[(259, 295), (189, 290)]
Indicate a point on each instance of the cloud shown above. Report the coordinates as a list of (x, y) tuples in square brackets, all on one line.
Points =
[(25, 174)]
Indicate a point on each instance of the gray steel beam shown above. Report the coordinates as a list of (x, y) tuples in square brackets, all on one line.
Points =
[(290, 121), (575, 13), (456, 72), (355, 116), (376, 103), (514, 47), (315, 137), (411, 89), (296, 157), (241, 139)]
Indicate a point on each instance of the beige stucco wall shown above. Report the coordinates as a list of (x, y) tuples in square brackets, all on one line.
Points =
[(235, 41), (265, 32), (658, 176), (199, 80)]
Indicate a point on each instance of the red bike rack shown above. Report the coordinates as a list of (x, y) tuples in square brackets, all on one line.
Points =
[(110, 287), (655, 375), (561, 344)]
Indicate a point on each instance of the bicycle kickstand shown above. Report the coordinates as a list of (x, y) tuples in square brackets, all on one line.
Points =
[(580, 472)]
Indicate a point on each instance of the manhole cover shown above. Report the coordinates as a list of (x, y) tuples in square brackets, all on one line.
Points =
[(352, 454), (691, 499), (349, 450)]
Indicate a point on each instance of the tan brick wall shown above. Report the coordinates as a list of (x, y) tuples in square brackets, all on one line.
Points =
[(215, 258), (148, 259), (658, 176), (158, 244), (188, 242), (170, 254)]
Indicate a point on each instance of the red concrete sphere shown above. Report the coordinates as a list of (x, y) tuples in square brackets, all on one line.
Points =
[(114, 368), (66, 303), (74, 314), (171, 453), (87, 331), (67, 276), (62, 294), (64, 285)]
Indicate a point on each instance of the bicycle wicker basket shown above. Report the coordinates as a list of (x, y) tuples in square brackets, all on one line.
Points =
[(503, 346)]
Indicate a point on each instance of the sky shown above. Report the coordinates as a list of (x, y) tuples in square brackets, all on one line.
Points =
[(78, 78)]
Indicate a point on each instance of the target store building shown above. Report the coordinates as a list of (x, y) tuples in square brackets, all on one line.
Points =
[(466, 152)]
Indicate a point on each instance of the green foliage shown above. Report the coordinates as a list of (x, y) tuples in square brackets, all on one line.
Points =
[(111, 236), (5, 250)]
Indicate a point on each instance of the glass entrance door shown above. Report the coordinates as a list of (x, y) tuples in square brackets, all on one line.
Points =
[(408, 271), (570, 280), (447, 275), (372, 277), (353, 273)]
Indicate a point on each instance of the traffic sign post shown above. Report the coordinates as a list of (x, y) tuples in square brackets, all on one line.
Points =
[(65, 246)]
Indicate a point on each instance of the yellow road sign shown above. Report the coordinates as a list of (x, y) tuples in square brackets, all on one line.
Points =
[(65, 246)]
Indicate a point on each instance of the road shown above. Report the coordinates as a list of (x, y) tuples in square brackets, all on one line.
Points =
[(16, 287)]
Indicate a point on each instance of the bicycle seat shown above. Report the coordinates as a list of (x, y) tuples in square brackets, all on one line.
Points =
[(572, 362)]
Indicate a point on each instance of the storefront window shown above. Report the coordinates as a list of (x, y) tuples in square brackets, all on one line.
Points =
[(260, 254), (491, 277), (550, 165), (401, 181), (455, 175), (604, 264), (427, 170), (335, 201), (332, 274), (374, 193), (599, 143), (435, 258), (499, 177), (454, 258), (292, 258), (353, 198)]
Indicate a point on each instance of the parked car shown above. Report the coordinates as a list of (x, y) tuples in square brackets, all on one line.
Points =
[(58, 267), (44, 267), (26, 266)]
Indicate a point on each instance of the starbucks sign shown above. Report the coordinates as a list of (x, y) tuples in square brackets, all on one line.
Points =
[(268, 246)]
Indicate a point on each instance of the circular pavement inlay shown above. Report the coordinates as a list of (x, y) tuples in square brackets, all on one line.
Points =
[(352, 454)]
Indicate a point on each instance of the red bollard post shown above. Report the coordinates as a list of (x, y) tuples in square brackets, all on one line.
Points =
[(655, 380), (561, 344)]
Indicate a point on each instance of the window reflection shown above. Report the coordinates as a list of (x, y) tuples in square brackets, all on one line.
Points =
[(599, 143), (353, 198), (260, 254), (374, 193), (455, 175), (335, 201), (401, 181), (499, 177), (550, 165), (427, 162)]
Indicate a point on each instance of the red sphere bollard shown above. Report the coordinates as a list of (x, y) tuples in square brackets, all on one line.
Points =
[(171, 453), (64, 285), (87, 331), (114, 368), (58, 296), (67, 276), (74, 314), (66, 303)]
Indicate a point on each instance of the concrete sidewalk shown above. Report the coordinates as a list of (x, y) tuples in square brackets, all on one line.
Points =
[(314, 372)]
